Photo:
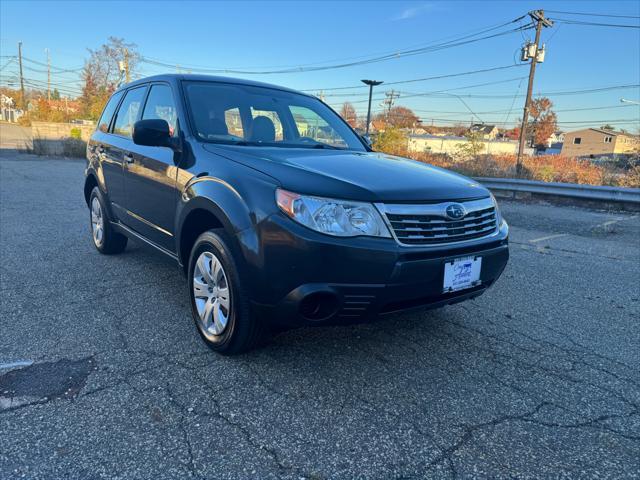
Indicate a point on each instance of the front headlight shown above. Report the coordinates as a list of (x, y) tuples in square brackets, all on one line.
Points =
[(341, 218), (498, 213)]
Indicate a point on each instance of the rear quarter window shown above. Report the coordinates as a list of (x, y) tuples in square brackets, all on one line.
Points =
[(107, 113)]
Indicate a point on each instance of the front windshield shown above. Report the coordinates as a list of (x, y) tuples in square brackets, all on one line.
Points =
[(248, 115)]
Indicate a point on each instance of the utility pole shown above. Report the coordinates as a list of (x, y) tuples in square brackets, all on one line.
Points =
[(391, 97), (127, 75), (371, 83), (48, 75), (22, 99), (537, 16)]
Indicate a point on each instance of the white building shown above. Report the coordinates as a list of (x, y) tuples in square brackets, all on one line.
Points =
[(450, 145)]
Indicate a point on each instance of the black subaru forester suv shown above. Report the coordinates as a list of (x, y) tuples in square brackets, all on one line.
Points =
[(278, 212)]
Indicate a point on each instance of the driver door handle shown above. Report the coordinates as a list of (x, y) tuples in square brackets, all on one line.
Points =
[(128, 158)]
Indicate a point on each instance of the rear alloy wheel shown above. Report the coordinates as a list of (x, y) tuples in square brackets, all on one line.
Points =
[(220, 307), (105, 238), (97, 222)]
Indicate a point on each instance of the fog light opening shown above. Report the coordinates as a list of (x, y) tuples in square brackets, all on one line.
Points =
[(319, 306)]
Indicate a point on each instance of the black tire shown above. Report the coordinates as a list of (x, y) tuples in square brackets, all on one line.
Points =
[(244, 330), (111, 241)]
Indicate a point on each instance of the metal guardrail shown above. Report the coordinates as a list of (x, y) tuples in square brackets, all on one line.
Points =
[(571, 190)]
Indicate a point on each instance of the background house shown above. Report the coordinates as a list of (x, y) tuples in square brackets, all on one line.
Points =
[(595, 142), (488, 132), (556, 138), (8, 110)]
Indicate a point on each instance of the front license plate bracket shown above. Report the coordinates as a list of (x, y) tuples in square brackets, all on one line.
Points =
[(462, 273)]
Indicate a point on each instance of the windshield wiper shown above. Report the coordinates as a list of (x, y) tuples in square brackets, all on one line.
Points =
[(328, 147)]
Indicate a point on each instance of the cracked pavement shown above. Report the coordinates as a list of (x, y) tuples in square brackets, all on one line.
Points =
[(538, 378)]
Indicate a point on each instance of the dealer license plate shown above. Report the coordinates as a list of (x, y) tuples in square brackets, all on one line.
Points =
[(462, 273)]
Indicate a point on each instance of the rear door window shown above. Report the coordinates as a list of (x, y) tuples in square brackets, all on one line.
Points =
[(107, 114), (129, 112)]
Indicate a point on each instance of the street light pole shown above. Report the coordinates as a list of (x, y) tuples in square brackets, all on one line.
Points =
[(632, 102), (371, 83)]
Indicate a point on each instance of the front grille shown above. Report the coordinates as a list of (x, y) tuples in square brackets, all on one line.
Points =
[(433, 229)]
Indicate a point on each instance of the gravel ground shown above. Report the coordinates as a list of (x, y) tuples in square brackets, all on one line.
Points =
[(102, 374)]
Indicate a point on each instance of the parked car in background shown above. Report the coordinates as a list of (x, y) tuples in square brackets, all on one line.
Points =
[(278, 212)]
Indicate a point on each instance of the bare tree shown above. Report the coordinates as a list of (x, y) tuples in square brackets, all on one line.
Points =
[(102, 75), (349, 114)]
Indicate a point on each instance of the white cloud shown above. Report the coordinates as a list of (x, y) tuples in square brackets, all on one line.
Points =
[(412, 12)]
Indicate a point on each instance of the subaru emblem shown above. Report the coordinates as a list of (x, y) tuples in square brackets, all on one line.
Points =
[(455, 211)]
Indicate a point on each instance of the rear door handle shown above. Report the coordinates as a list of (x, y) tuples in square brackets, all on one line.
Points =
[(128, 158)]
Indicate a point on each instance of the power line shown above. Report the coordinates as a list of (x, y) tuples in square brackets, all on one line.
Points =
[(423, 79), (592, 24), (619, 121), (412, 94), (556, 111), (489, 112), (475, 31), (66, 85), (497, 82), (405, 53), (513, 102), (9, 62), (591, 14), (57, 69), (552, 94), (444, 94)]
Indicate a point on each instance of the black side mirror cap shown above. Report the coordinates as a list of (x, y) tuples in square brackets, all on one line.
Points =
[(152, 133)]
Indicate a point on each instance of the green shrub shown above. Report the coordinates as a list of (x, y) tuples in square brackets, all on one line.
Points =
[(74, 147)]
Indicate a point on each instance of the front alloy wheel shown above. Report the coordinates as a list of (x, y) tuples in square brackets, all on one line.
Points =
[(219, 302), (211, 293)]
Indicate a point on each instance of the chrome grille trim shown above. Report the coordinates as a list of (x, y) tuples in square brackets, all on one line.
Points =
[(428, 225)]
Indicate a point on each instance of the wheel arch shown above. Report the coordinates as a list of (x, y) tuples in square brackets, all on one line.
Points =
[(90, 183), (197, 216)]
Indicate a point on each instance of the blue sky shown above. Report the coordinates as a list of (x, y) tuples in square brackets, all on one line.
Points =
[(250, 35)]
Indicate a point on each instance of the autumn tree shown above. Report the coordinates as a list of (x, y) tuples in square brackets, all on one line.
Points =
[(399, 117), (543, 121), (512, 134), (101, 74), (348, 112)]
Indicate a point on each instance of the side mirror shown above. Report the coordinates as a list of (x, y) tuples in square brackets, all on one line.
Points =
[(152, 133)]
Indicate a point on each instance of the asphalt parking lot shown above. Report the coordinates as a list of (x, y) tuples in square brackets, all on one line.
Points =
[(102, 374)]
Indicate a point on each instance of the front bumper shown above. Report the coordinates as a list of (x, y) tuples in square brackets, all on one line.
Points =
[(359, 278)]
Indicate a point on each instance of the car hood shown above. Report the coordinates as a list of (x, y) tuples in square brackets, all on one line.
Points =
[(365, 176)]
